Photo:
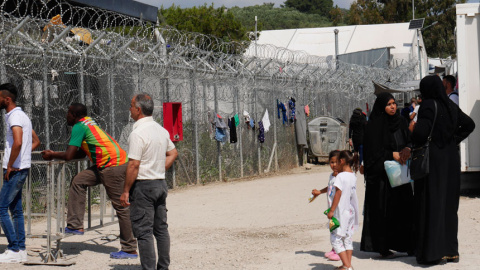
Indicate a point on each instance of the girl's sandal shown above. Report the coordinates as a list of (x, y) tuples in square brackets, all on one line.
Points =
[(343, 267)]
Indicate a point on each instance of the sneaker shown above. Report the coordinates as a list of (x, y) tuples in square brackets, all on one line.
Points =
[(327, 254), (123, 255), (73, 231), (24, 255), (334, 257), (10, 256)]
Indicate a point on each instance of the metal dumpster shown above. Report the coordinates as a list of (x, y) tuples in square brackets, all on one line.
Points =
[(326, 134)]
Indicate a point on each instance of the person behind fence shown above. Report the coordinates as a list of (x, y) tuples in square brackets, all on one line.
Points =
[(21, 140), (110, 165), (150, 153), (357, 124), (345, 208), (387, 223)]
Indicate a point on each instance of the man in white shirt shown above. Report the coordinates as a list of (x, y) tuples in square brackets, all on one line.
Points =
[(414, 114), (20, 141), (150, 154), (449, 83)]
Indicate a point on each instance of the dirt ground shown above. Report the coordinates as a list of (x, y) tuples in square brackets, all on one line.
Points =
[(264, 223)]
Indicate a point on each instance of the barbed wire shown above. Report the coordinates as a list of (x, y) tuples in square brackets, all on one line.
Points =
[(57, 53)]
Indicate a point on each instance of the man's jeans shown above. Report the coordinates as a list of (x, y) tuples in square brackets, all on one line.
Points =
[(11, 198), (148, 213)]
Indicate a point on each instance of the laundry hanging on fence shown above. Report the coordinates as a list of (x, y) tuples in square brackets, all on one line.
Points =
[(220, 129), (252, 124), (281, 107), (266, 121), (233, 130), (307, 110), (246, 118), (301, 129), (291, 106), (261, 132), (237, 120)]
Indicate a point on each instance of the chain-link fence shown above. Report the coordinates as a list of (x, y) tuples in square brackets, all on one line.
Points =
[(57, 54)]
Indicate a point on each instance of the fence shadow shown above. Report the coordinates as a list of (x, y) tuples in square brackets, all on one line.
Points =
[(74, 248)]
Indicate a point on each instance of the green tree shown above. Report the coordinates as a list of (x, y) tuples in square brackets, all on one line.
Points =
[(321, 7), (365, 12), (218, 22), (336, 15), (439, 39), (271, 18)]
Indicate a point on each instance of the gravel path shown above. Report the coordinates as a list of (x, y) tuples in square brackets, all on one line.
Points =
[(264, 223)]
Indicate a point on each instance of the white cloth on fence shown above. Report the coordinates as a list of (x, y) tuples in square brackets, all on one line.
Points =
[(266, 121)]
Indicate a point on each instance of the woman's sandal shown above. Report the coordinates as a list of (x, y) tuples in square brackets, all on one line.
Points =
[(454, 259)]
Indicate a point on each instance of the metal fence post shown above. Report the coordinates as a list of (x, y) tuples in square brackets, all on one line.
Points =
[(240, 128), (219, 147), (195, 125)]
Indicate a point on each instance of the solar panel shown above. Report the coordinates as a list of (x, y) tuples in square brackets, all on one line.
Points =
[(416, 24)]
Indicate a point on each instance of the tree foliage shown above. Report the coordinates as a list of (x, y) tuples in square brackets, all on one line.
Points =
[(337, 15), (271, 18), (321, 7), (218, 22), (439, 39)]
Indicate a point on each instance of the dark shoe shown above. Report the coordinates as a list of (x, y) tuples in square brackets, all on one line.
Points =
[(73, 231), (387, 255)]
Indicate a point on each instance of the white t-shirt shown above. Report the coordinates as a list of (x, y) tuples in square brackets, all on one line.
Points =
[(454, 97), (416, 112), (149, 143), (330, 190), (17, 118), (347, 209)]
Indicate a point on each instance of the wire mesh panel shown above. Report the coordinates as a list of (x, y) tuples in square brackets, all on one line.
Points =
[(57, 54)]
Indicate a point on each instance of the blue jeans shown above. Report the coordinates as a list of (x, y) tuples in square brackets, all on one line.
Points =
[(11, 198)]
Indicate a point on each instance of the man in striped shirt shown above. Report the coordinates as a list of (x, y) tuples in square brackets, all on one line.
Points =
[(110, 164)]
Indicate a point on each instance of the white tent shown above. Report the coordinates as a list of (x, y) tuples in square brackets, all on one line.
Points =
[(321, 41)]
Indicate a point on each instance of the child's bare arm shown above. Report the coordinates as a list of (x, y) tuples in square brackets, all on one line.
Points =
[(316, 192), (336, 199)]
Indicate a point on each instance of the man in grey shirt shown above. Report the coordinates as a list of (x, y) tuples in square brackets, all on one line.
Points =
[(150, 154)]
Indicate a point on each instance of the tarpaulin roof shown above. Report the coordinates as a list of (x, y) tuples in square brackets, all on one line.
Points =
[(396, 88)]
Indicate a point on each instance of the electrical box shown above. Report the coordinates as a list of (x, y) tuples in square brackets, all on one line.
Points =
[(172, 120)]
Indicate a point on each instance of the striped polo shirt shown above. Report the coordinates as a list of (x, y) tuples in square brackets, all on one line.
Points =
[(99, 146)]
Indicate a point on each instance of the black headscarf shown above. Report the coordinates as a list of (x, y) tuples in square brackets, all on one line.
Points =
[(379, 126), (432, 88)]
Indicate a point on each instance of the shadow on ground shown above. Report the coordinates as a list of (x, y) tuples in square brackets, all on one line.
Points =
[(126, 267), (323, 266)]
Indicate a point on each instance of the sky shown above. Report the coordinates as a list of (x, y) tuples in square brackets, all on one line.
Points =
[(228, 3)]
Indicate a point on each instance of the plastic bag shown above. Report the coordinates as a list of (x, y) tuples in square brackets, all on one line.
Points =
[(333, 224), (397, 174)]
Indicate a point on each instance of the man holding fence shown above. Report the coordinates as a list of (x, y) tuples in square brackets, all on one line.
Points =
[(110, 161), (151, 153), (20, 142)]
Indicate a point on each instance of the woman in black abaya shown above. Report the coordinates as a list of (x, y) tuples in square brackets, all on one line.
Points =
[(437, 195), (388, 222)]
